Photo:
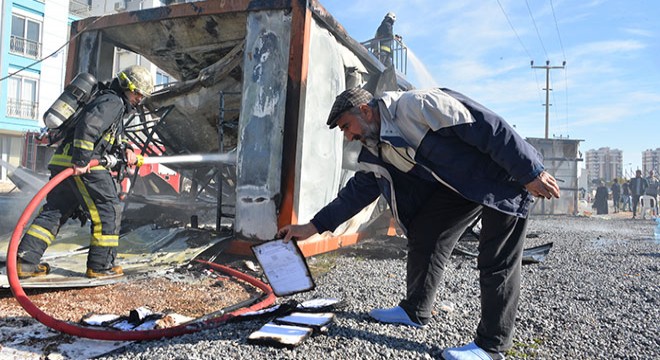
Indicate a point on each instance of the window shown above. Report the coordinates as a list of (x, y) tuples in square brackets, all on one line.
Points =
[(162, 79), (25, 36), (22, 97)]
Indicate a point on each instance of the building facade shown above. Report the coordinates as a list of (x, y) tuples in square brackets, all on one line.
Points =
[(32, 64), (650, 161), (34, 38), (603, 164)]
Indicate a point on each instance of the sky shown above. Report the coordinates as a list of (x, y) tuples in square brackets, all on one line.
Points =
[(607, 94)]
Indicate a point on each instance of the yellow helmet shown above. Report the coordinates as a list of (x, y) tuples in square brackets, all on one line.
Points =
[(137, 79)]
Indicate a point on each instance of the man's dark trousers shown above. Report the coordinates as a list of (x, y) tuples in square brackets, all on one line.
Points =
[(432, 235)]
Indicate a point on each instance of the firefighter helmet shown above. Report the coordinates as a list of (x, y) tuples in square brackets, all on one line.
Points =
[(137, 79), (391, 15)]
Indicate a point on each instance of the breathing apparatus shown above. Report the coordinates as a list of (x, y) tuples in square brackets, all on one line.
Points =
[(75, 95)]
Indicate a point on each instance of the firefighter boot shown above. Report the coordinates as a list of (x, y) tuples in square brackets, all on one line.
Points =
[(115, 271), (101, 263), (27, 270)]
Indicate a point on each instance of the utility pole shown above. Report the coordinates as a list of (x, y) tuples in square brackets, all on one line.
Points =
[(547, 68)]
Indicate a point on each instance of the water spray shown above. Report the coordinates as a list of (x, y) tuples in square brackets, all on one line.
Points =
[(222, 158), (109, 161)]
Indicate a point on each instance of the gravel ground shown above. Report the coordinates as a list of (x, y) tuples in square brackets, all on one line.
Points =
[(597, 295)]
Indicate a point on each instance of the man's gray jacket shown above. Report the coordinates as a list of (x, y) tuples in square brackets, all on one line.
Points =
[(437, 136)]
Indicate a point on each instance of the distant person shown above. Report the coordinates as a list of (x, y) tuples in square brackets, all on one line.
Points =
[(439, 158), (638, 187), (616, 194), (652, 189), (600, 200), (384, 37), (625, 196)]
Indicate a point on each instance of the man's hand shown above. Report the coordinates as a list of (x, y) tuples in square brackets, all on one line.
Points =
[(131, 158), (79, 170), (299, 232), (544, 186)]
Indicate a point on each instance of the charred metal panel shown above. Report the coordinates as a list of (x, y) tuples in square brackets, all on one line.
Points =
[(87, 52), (196, 43), (319, 148), (326, 160), (183, 46), (261, 124), (180, 39), (191, 126), (94, 55)]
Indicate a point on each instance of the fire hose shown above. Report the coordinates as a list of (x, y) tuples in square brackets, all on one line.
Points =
[(266, 299)]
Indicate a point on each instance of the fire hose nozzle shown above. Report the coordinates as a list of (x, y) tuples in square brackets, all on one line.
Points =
[(108, 161), (140, 160)]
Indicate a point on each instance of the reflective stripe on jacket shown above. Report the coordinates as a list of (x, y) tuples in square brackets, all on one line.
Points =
[(95, 132)]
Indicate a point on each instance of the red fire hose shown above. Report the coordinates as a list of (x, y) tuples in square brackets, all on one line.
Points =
[(86, 332)]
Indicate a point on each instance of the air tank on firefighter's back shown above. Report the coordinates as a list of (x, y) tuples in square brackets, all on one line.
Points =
[(75, 94)]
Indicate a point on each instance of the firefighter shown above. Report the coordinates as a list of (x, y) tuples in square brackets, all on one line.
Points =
[(91, 191), (384, 36)]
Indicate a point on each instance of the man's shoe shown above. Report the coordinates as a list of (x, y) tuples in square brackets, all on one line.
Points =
[(395, 315), (470, 352), (115, 271), (27, 270)]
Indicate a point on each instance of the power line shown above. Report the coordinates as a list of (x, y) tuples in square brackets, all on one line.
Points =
[(557, 27), (561, 44), (537, 29), (538, 85), (53, 53), (514, 30)]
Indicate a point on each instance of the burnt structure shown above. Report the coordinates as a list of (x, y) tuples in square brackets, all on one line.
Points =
[(254, 77)]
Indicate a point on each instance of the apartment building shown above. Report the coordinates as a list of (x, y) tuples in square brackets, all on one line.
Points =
[(32, 62), (33, 49), (603, 164), (651, 161)]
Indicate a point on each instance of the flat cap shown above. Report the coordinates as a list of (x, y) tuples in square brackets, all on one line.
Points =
[(347, 100)]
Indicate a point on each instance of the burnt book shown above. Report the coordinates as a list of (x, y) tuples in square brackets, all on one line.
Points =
[(284, 266), (316, 321), (280, 335)]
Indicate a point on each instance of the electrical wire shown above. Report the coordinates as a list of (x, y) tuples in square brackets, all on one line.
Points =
[(514, 30), (537, 30), (561, 44), (538, 85), (557, 27), (53, 53)]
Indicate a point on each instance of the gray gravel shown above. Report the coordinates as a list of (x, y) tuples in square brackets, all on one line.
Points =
[(597, 295)]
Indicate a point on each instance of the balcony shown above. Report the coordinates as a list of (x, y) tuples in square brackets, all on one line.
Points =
[(23, 109), (24, 47)]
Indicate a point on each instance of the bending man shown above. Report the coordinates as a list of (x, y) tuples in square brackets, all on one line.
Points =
[(440, 158)]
